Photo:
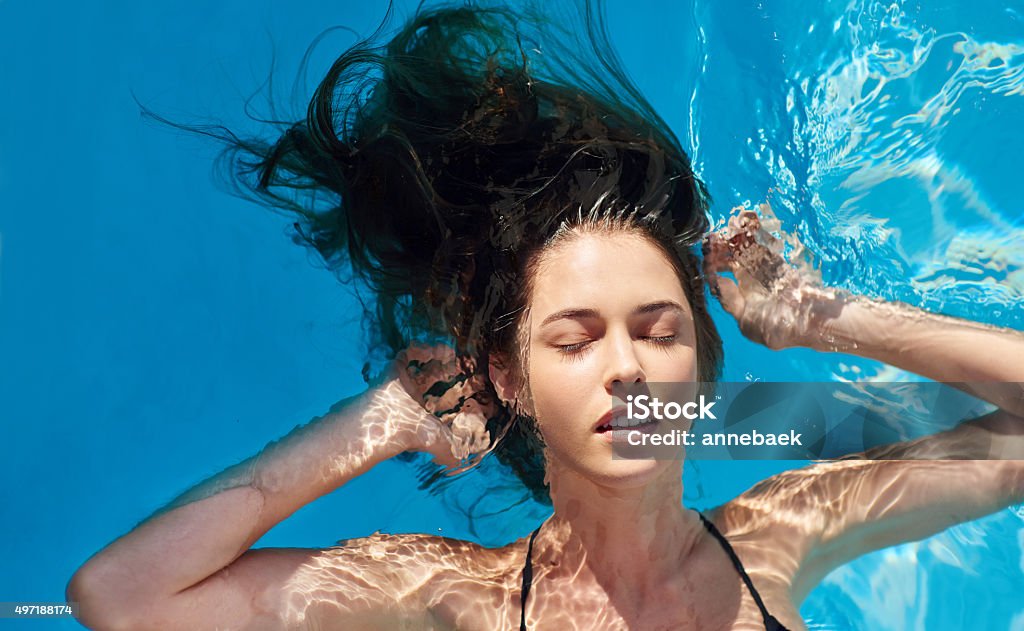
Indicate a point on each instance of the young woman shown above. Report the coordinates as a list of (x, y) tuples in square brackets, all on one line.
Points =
[(544, 227)]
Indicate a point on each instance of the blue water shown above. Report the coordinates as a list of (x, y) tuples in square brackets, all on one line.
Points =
[(154, 330)]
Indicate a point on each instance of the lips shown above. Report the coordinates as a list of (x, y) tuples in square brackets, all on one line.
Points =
[(604, 423)]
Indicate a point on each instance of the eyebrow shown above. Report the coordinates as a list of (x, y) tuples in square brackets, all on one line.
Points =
[(580, 313)]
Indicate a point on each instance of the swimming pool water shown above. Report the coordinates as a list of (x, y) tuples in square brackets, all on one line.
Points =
[(883, 132), (155, 330)]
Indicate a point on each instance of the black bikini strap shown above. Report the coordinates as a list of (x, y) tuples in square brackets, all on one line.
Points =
[(769, 620), (527, 580)]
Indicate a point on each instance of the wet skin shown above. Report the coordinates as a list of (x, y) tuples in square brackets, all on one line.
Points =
[(620, 551)]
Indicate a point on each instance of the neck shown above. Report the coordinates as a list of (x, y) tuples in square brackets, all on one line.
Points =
[(635, 536)]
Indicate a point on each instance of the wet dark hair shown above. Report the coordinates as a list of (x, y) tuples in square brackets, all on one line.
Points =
[(440, 163)]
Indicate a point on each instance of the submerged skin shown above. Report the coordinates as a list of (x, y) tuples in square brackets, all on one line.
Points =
[(620, 550)]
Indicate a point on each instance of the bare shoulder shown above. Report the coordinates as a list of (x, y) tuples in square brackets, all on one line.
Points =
[(774, 528), (440, 551), (419, 560), (788, 502), (422, 579), (805, 522), (789, 513)]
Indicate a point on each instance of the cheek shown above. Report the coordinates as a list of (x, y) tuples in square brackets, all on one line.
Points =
[(556, 396), (688, 357), (560, 381), (690, 373)]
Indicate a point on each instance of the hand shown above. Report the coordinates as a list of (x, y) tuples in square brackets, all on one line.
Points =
[(451, 399), (775, 303)]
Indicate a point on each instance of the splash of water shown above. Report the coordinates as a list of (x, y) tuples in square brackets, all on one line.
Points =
[(875, 129)]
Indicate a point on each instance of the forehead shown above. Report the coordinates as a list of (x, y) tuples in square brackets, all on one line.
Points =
[(609, 272)]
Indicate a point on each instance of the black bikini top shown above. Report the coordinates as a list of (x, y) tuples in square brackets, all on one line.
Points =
[(770, 622)]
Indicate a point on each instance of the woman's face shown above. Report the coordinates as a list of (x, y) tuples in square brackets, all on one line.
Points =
[(606, 308)]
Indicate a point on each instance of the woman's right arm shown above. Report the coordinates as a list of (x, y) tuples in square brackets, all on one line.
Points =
[(189, 566)]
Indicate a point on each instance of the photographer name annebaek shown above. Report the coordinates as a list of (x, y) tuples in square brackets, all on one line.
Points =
[(683, 438), (699, 409)]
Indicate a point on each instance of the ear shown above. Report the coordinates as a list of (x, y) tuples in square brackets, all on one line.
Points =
[(500, 373)]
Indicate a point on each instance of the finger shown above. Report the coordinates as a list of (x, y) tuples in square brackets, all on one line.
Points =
[(419, 353), (766, 224), (734, 217), (731, 298), (432, 371), (451, 397), (754, 274), (471, 428), (717, 254), (467, 364), (758, 268), (477, 382), (441, 443), (470, 406), (484, 410), (426, 377), (741, 233), (748, 220)]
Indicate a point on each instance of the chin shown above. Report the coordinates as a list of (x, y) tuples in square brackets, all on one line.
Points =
[(631, 474)]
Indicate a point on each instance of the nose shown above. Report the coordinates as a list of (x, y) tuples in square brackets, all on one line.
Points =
[(623, 366)]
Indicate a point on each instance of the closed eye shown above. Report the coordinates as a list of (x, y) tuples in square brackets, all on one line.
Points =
[(569, 349), (579, 348)]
